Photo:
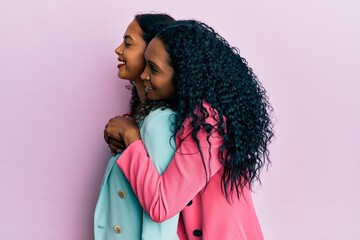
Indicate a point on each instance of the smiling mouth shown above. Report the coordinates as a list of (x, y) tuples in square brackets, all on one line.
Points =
[(148, 88), (121, 63)]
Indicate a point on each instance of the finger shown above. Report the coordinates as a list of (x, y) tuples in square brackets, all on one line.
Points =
[(129, 117), (111, 131), (114, 118), (106, 136), (113, 149), (115, 143)]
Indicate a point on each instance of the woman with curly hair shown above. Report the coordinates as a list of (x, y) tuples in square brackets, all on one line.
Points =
[(223, 132), (118, 213)]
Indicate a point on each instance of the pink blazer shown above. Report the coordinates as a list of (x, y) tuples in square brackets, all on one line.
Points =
[(205, 212)]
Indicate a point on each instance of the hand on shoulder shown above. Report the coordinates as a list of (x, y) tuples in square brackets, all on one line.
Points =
[(120, 132)]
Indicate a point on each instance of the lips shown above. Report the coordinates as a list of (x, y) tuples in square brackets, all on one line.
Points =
[(148, 88), (121, 63)]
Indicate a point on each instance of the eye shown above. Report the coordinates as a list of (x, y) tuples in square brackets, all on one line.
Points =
[(153, 69), (127, 45)]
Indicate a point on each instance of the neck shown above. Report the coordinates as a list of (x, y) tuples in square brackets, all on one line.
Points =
[(140, 88)]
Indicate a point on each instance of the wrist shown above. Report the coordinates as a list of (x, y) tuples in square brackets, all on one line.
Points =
[(131, 136)]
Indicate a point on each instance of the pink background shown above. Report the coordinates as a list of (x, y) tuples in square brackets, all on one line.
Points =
[(58, 88)]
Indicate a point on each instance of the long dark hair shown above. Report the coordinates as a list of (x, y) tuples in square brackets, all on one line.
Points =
[(150, 24), (208, 69)]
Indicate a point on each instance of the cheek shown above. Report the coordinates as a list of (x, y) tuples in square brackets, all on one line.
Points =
[(173, 90), (135, 61), (169, 89), (138, 60)]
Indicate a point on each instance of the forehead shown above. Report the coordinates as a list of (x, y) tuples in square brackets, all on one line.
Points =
[(156, 51), (134, 30)]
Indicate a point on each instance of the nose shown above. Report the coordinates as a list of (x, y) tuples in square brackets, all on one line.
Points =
[(119, 49), (145, 74)]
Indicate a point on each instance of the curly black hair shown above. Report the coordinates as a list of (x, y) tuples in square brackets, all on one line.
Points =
[(150, 24), (208, 69)]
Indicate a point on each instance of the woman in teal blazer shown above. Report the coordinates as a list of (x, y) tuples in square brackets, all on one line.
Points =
[(118, 214)]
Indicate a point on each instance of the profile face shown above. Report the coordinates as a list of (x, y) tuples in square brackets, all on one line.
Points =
[(158, 73), (131, 53)]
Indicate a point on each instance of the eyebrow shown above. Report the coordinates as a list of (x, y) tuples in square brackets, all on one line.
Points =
[(152, 63), (126, 37)]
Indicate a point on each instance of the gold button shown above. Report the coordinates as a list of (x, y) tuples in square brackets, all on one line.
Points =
[(117, 229), (122, 194)]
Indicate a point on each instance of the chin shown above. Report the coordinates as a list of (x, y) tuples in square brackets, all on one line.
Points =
[(151, 98), (122, 76)]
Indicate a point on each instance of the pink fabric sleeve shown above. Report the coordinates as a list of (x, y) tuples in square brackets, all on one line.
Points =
[(163, 196)]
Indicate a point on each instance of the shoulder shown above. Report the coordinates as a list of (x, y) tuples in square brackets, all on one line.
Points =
[(159, 119), (160, 115)]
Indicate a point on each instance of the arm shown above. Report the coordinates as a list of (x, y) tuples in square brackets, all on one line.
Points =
[(156, 135), (163, 196)]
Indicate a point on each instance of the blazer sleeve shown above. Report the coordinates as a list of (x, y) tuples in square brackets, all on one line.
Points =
[(160, 146), (163, 196)]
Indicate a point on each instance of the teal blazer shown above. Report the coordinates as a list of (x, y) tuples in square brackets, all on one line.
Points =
[(118, 213)]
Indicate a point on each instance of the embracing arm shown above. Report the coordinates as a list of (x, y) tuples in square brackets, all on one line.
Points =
[(163, 196)]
